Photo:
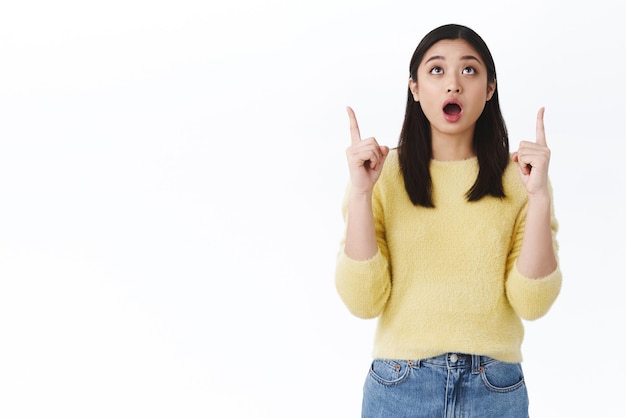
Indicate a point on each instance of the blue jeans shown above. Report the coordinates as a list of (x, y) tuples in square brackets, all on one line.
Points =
[(452, 385)]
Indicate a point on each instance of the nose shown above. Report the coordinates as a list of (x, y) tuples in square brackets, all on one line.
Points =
[(453, 85)]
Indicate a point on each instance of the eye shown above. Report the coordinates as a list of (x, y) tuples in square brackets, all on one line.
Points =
[(436, 70), (469, 70)]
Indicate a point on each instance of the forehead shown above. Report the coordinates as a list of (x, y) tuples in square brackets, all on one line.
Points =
[(451, 49)]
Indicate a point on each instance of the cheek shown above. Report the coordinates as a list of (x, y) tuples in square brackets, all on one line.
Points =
[(427, 92), (431, 109), (479, 93)]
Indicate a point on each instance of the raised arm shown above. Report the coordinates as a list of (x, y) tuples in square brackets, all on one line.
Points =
[(365, 162), (537, 257)]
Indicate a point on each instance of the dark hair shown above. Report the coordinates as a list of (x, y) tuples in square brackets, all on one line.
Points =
[(490, 143)]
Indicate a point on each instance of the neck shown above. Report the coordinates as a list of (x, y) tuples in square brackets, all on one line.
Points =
[(452, 147)]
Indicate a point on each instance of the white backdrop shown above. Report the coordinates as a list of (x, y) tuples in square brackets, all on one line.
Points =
[(171, 175)]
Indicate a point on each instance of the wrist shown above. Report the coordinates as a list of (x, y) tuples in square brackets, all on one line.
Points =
[(360, 195), (542, 198)]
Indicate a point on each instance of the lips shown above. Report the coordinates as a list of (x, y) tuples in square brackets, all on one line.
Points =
[(452, 110)]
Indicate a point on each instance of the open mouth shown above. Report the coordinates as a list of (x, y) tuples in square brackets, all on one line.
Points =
[(452, 109)]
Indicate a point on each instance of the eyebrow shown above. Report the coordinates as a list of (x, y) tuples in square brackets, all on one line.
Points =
[(463, 58)]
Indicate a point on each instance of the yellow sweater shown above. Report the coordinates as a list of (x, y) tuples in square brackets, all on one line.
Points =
[(445, 279)]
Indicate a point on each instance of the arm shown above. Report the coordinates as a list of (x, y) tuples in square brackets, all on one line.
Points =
[(537, 257), (532, 296), (534, 278), (365, 162), (360, 241), (362, 273)]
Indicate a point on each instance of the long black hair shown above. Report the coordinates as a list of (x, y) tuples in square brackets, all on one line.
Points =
[(491, 139)]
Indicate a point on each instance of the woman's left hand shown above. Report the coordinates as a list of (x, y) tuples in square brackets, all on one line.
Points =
[(533, 159)]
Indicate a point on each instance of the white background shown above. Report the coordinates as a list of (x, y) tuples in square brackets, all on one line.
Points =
[(171, 175)]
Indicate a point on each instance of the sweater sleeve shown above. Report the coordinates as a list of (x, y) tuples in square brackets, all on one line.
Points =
[(364, 285), (531, 298)]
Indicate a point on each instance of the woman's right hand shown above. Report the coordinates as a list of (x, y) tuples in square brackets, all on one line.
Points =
[(365, 158)]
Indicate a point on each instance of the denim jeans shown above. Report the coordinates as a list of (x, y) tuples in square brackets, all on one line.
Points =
[(452, 385)]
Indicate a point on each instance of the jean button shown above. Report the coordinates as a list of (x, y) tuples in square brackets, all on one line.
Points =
[(454, 358)]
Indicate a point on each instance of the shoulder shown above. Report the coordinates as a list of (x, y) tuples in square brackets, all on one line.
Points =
[(513, 186), (391, 180), (391, 168), (392, 160)]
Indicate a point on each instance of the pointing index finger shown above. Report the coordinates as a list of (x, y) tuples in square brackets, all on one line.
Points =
[(541, 133), (355, 134)]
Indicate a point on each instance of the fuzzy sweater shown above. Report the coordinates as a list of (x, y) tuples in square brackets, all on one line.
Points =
[(445, 278)]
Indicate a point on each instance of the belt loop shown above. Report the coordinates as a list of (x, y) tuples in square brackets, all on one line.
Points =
[(476, 367)]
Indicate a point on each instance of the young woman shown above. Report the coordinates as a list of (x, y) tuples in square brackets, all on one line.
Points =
[(449, 242)]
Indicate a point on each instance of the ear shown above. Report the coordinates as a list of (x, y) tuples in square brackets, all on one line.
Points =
[(491, 88), (413, 88)]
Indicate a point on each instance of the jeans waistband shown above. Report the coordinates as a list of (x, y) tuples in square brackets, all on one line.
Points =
[(455, 361)]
